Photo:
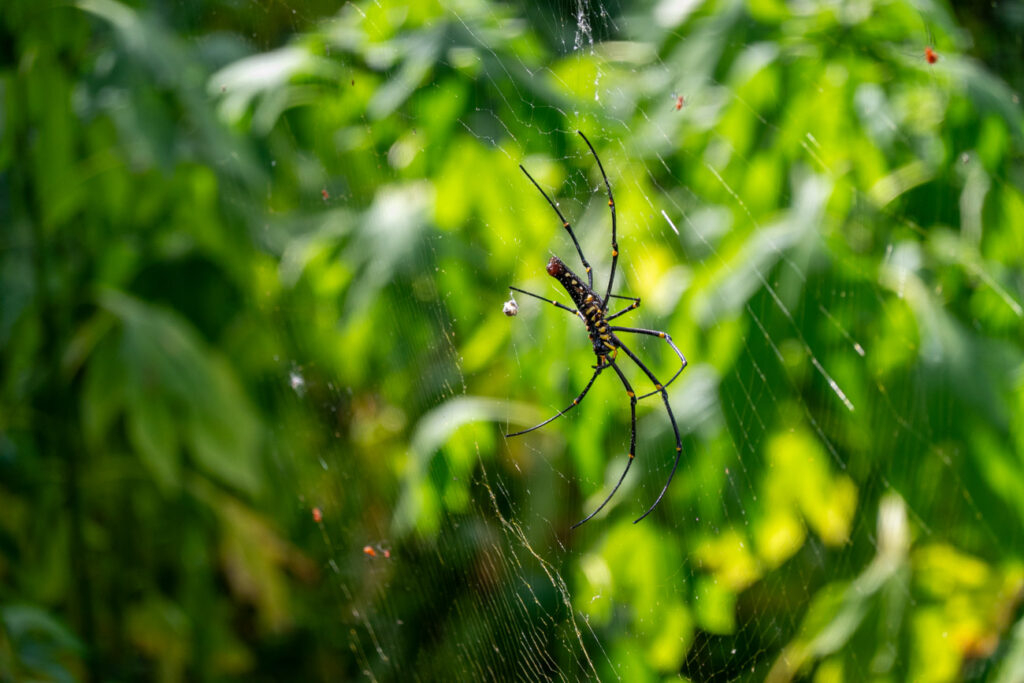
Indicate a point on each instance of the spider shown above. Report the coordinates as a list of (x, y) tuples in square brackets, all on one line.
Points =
[(592, 309)]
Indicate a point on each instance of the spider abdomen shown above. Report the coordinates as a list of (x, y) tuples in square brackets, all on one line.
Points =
[(588, 303)]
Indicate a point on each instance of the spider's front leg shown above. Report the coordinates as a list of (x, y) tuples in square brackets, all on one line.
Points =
[(668, 340), (603, 361), (660, 388), (632, 439), (575, 402)]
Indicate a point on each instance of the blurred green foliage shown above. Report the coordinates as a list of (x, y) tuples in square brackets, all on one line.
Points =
[(254, 370)]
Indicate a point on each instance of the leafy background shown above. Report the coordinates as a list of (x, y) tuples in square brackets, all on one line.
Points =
[(254, 370)]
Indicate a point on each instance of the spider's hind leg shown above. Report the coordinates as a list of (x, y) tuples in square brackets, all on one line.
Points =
[(565, 224), (554, 303), (611, 207)]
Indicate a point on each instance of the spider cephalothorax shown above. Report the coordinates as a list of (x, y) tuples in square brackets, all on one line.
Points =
[(593, 310)]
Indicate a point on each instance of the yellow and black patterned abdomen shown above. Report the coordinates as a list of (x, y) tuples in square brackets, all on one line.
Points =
[(588, 303)]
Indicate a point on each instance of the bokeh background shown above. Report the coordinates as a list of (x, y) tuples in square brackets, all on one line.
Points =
[(255, 375)]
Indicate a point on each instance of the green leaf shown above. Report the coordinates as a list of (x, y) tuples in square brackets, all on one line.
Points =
[(152, 432), (174, 392), (42, 647)]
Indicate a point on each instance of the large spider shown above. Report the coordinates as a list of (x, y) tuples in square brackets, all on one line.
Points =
[(592, 309)]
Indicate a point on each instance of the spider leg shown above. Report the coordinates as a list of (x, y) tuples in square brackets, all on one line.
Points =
[(555, 303), (575, 402), (611, 205), (661, 335), (565, 224), (627, 309), (672, 419), (632, 443)]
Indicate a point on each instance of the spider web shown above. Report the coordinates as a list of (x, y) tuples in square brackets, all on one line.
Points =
[(849, 482)]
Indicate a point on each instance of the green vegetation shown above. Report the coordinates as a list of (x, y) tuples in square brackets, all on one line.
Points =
[(254, 371)]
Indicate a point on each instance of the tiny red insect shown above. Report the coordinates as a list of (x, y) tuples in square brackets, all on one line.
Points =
[(318, 515), (387, 553), (931, 55), (368, 550), (324, 194), (680, 101)]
